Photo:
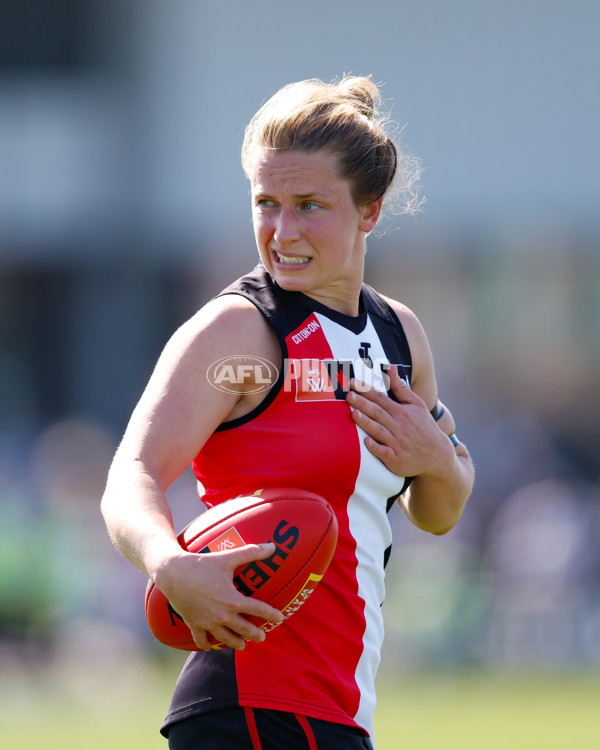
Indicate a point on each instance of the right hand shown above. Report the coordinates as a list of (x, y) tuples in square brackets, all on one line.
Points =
[(200, 588)]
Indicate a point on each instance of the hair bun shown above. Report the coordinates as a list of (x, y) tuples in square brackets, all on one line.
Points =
[(363, 92)]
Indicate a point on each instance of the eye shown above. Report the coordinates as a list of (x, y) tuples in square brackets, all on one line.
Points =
[(310, 206), (264, 203)]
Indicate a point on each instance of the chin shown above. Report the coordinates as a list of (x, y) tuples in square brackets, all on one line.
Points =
[(295, 280), (288, 283)]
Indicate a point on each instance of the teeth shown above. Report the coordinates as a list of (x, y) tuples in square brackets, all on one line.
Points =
[(291, 261)]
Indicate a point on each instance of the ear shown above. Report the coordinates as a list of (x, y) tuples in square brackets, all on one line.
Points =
[(370, 213)]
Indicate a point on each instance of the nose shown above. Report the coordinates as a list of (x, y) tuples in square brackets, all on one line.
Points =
[(287, 230)]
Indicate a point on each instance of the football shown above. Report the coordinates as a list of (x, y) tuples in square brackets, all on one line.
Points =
[(304, 529)]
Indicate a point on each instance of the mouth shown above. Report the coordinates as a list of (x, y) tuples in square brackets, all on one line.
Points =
[(290, 260)]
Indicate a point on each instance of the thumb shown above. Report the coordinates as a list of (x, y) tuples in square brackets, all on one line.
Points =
[(400, 388)]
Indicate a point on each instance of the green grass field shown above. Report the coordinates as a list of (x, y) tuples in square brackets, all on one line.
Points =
[(486, 713), (420, 713)]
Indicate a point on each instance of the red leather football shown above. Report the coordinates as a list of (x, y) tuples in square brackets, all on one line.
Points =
[(304, 529)]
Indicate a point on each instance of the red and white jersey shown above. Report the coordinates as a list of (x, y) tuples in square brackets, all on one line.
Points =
[(321, 662)]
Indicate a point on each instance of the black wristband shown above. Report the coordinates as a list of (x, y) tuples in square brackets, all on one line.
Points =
[(438, 410), (437, 413)]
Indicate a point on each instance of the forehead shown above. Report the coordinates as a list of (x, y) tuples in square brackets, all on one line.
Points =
[(297, 170)]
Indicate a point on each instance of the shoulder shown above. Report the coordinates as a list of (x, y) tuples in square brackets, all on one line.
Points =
[(229, 306), (423, 375), (409, 321), (411, 324), (229, 325), (180, 407)]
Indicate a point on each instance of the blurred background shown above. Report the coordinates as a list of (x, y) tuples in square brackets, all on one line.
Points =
[(123, 208)]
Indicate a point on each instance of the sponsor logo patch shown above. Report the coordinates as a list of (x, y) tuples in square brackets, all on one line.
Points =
[(229, 539)]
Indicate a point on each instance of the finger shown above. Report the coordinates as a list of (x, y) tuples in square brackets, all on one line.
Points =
[(374, 404), (401, 389), (247, 554), (238, 629), (260, 610), (247, 630), (381, 451), (254, 607), (225, 635), (235, 632), (201, 639), (249, 605), (373, 420), (360, 386), (366, 390)]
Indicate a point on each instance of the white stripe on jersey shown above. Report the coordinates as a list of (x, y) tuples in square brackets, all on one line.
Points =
[(367, 512)]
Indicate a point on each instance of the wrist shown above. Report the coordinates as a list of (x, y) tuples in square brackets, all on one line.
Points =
[(444, 463), (161, 561)]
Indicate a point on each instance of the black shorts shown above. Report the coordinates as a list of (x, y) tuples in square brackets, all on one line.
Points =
[(263, 729)]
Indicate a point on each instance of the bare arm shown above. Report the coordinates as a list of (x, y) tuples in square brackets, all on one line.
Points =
[(175, 416), (410, 443)]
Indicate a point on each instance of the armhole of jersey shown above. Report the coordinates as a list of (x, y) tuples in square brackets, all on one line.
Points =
[(391, 501), (272, 394), (387, 312)]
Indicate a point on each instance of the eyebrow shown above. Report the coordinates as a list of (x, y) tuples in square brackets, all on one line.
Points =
[(301, 196)]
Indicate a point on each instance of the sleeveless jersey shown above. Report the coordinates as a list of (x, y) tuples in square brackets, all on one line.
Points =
[(321, 662)]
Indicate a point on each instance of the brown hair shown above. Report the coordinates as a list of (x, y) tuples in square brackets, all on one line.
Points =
[(342, 117)]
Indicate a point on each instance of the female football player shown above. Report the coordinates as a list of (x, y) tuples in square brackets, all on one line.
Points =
[(353, 415)]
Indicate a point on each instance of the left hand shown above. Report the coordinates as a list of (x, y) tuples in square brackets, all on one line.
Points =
[(403, 435)]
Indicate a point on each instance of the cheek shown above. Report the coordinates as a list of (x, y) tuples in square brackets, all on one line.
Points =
[(260, 225), (326, 233), (263, 229)]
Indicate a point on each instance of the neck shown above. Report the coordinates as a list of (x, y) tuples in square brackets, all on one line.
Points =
[(347, 305)]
